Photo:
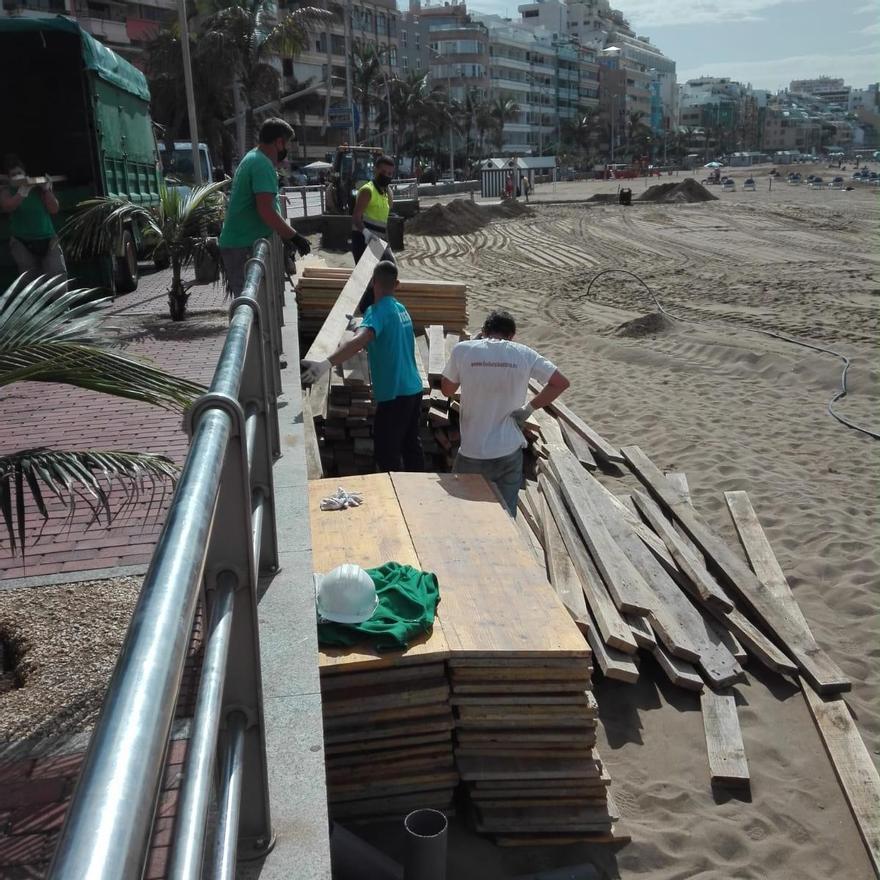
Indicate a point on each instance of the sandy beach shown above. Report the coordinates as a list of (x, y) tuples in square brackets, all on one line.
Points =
[(734, 409)]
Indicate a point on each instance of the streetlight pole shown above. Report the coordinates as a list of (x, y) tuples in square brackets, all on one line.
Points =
[(190, 93), (349, 96)]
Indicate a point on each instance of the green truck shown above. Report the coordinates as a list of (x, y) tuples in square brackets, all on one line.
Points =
[(72, 107)]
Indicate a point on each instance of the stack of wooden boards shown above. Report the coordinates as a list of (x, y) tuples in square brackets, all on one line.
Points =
[(515, 668), (428, 302), (339, 408)]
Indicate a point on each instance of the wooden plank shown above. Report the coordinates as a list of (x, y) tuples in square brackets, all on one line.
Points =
[(775, 615), (642, 632), (578, 445), (756, 642), (678, 671), (679, 481), (673, 618), (724, 743), (351, 536), (704, 587), (853, 766), (563, 575), (597, 442), (613, 663), (420, 366), (612, 627), (624, 582), (328, 337), (822, 669), (496, 599), (515, 768), (436, 352), (549, 427)]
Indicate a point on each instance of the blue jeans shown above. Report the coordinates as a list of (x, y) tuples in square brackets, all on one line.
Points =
[(505, 472)]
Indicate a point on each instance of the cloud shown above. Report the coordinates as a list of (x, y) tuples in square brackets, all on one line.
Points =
[(857, 68)]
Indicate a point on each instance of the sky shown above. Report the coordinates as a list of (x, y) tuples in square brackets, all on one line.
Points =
[(766, 43)]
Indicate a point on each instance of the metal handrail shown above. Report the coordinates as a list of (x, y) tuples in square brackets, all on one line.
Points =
[(213, 544)]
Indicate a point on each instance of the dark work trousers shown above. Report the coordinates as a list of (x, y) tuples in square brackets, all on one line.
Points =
[(358, 246), (396, 434)]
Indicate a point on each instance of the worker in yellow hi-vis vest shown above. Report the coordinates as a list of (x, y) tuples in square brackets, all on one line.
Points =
[(370, 218)]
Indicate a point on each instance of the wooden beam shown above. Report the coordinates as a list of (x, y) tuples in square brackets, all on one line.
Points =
[(613, 628), (773, 614), (853, 766), (331, 332), (724, 744)]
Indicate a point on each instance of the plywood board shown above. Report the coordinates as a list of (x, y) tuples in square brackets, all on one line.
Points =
[(517, 768), (724, 743), (775, 615), (496, 599), (352, 536), (853, 766)]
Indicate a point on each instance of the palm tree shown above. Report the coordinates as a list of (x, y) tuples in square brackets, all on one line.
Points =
[(503, 110), (636, 130), (178, 228), (244, 37), (366, 74), (580, 130), (484, 121), (407, 99), (51, 334)]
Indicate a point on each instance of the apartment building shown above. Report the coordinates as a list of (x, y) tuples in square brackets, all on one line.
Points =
[(322, 64), (124, 27)]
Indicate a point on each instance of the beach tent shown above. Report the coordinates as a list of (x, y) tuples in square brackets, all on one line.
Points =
[(317, 166), (713, 165)]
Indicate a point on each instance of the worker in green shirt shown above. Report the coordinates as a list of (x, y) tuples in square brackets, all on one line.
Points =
[(387, 334), (253, 211), (33, 242)]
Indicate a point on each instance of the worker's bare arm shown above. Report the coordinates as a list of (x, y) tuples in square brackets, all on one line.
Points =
[(447, 386), (357, 215), (349, 349), (556, 384), (272, 219)]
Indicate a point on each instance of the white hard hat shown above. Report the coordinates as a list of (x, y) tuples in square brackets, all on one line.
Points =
[(345, 595)]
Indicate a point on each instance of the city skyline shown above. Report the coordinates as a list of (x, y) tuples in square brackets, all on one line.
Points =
[(766, 43)]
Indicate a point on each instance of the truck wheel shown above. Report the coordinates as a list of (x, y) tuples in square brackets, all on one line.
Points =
[(127, 265)]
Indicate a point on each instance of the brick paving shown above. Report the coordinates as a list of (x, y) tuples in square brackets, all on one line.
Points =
[(35, 791), (34, 414)]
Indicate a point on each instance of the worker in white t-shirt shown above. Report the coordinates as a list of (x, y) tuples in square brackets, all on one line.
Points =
[(493, 372)]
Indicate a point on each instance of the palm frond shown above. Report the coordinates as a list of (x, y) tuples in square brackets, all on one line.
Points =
[(70, 476), (98, 224), (48, 334)]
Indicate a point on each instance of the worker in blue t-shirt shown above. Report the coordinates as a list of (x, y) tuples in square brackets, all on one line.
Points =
[(387, 334)]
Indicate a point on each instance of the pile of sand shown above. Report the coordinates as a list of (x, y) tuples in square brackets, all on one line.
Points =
[(669, 193), (651, 324), (460, 217)]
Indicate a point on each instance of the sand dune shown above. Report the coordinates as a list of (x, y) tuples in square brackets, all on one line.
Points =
[(734, 409)]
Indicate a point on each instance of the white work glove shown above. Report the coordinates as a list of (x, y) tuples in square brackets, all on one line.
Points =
[(521, 415), (313, 370), (24, 191)]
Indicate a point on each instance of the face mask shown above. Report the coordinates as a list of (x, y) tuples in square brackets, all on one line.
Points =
[(282, 154), (383, 179)]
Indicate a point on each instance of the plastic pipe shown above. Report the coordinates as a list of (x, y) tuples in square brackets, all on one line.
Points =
[(426, 838)]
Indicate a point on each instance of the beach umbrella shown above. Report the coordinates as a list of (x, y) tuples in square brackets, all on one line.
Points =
[(317, 166), (713, 165)]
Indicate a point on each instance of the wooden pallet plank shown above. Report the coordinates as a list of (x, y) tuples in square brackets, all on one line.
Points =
[(496, 598), (853, 766), (678, 671), (724, 743), (774, 615), (336, 322), (679, 482), (314, 468), (613, 663), (563, 575), (611, 625)]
